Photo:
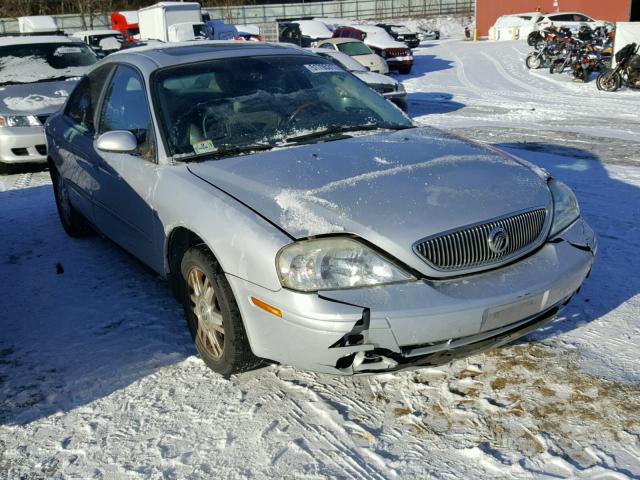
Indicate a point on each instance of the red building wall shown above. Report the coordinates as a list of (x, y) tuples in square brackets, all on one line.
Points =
[(487, 11)]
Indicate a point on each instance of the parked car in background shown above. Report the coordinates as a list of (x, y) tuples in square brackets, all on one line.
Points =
[(371, 245), (126, 22), (304, 33), (428, 34), (397, 55), (525, 23), (102, 42), (358, 51), (37, 74), (388, 87), (571, 20), (401, 34)]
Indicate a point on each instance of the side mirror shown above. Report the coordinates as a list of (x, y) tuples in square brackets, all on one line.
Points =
[(119, 141)]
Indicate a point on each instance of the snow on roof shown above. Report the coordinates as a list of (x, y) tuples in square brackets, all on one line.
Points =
[(178, 5), (379, 37), (131, 16), (19, 40), (314, 29)]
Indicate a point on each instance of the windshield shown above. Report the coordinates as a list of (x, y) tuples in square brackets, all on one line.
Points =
[(354, 48), (261, 102), (46, 61)]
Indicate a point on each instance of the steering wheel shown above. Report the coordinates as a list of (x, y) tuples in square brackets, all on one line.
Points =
[(299, 110)]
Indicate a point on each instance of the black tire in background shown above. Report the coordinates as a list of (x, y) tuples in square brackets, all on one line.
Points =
[(236, 355), (72, 221)]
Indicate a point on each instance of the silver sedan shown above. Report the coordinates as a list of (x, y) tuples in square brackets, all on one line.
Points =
[(303, 219)]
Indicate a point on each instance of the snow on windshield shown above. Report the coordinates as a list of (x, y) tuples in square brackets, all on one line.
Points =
[(33, 69)]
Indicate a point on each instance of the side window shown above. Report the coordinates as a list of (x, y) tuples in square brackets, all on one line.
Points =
[(81, 106), (125, 107)]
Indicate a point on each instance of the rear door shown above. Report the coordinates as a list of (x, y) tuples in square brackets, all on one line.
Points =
[(75, 142), (127, 180)]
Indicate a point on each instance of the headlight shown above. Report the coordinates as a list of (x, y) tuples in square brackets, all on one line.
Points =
[(565, 206), (334, 263), (19, 121), (400, 88)]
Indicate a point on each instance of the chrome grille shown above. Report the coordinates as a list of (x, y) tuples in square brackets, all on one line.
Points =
[(469, 247)]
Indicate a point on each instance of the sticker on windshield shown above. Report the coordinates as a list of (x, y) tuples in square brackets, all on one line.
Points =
[(206, 146), (66, 50), (323, 67)]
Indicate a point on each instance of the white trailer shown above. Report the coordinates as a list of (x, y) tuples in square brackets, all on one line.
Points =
[(38, 24), (154, 21)]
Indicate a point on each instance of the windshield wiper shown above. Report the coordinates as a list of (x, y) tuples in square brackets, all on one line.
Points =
[(217, 155), (336, 129)]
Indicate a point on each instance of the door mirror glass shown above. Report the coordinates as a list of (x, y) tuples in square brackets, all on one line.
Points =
[(120, 141)]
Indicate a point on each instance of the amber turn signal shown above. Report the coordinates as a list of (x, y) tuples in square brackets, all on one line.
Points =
[(266, 307)]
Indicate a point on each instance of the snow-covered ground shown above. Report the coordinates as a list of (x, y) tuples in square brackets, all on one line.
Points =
[(99, 378)]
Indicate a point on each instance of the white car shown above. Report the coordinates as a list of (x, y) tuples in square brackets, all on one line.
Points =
[(357, 50), (101, 41), (525, 23), (388, 87), (37, 74), (571, 20)]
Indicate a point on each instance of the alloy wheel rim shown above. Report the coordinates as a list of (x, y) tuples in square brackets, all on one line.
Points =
[(205, 307)]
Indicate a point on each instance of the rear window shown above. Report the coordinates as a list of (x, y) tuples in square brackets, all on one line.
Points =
[(354, 48)]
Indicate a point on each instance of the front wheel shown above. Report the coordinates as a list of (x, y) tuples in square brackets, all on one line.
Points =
[(533, 61), (608, 81), (213, 316)]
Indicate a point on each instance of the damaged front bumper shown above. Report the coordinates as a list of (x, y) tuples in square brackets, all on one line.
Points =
[(420, 323)]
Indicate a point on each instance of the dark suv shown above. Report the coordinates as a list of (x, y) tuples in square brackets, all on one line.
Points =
[(401, 34)]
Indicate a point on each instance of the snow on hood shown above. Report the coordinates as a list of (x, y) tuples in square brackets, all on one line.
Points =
[(391, 188), (33, 69), (314, 29), (34, 98), (375, 78), (380, 38)]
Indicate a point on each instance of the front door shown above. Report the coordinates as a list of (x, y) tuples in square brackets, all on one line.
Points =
[(126, 180)]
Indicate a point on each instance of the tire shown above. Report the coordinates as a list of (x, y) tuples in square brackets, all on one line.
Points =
[(404, 70), (585, 74), (213, 316), (608, 81), (72, 221), (533, 61)]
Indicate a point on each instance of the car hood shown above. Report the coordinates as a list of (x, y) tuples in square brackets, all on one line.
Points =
[(391, 189), (42, 98)]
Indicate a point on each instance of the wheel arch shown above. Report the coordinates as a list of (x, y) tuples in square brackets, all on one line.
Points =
[(178, 241)]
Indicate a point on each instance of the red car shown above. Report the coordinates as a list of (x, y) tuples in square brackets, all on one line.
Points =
[(396, 54)]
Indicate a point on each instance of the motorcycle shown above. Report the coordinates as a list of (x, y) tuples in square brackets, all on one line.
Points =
[(587, 60), (626, 72)]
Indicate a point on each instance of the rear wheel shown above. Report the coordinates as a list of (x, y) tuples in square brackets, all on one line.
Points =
[(213, 316), (533, 61), (608, 81), (72, 221)]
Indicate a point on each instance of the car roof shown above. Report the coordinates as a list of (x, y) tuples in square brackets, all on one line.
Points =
[(35, 39), (151, 57)]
